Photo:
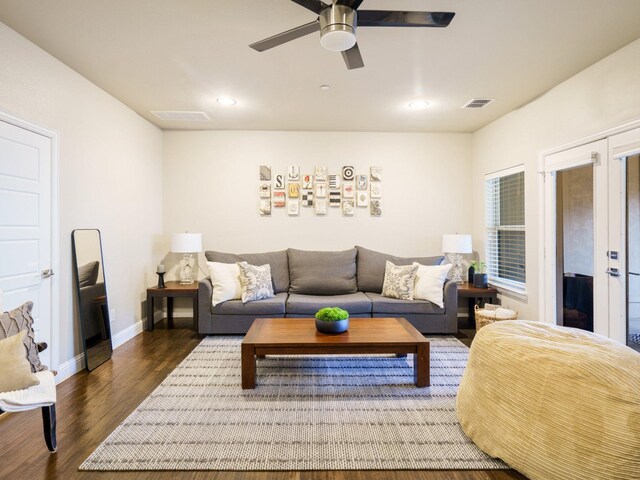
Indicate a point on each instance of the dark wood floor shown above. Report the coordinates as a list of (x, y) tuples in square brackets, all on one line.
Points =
[(91, 405)]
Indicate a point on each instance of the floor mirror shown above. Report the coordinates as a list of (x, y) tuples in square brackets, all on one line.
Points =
[(91, 290)]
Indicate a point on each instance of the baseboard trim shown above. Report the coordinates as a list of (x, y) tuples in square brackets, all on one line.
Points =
[(76, 364)]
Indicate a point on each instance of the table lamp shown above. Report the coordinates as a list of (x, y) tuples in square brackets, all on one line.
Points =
[(186, 243), (453, 245)]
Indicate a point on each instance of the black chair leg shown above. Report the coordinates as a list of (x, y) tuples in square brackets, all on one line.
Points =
[(49, 424)]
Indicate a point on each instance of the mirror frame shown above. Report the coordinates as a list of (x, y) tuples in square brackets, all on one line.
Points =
[(76, 280)]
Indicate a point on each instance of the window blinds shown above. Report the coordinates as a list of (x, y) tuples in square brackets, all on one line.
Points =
[(504, 197)]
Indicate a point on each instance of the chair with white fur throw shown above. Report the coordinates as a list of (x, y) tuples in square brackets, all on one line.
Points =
[(25, 384)]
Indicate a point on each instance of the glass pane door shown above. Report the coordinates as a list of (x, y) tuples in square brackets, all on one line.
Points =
[(575, 247), (633, 251)]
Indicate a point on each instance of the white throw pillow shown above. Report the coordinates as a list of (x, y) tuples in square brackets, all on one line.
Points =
[(429, 282), (225, 278)]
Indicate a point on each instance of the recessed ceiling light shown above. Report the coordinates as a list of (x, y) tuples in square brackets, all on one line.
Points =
[(226, 101), (324, 88), (418, 104)]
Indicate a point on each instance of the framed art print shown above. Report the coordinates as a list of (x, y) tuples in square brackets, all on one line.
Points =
[(361, 182), (348, 191), (279, 182), (320, 207), (294, 190), (321, 190), (376, 208), (265, 208), (376, 190), (264, 190), (334, 182), (321, 174), (307, 181), (279, 199), (376, 174), (348, 208), (307, 198), (347, 173), (293, 173), (293, 207), (265, 172), (362, 199)]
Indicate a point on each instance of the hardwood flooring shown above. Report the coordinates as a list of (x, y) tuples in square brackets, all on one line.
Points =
[(91, 405)]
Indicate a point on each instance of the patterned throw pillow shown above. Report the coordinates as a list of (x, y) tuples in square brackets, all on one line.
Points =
[(14, 322), (256, 282), (399, 281)]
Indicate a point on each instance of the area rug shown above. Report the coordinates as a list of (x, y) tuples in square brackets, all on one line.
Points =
[(306, 413)]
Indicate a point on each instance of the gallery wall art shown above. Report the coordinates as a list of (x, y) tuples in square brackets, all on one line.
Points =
[(349, 191)]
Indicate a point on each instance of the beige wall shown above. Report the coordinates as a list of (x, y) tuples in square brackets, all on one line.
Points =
[(211, 186), (110, 175), (604, 95)]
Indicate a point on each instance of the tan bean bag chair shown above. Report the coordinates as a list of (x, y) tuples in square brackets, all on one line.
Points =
[(553, 402)]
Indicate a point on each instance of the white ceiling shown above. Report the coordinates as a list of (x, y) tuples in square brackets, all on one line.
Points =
[(183, 54)]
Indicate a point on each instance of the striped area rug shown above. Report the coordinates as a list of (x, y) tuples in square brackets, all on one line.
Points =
[(306, 413)]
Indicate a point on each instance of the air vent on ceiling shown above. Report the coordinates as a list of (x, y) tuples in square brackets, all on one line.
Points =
[(182, 116), (478, 103)]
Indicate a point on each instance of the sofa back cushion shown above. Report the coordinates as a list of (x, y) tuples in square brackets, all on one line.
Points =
[(277, 261), (322, 273), (371, 266)]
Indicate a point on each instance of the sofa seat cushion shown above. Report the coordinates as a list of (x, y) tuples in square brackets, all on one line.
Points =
[(278, 262), (380, 304), (371, 267), (322, 273), (354, 303), (268, 306)]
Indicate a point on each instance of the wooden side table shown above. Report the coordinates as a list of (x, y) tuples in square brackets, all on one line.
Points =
[(172, 290), (476, 296)]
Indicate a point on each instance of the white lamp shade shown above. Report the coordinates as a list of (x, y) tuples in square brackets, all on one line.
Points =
[(456, 243), (186, 242)]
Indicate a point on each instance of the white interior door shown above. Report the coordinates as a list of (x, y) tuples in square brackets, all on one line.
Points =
[(26, 227)]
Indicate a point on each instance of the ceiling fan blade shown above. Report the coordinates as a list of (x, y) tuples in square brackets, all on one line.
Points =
[(350, 3), (385, 18), (352, 58), (287, 36), (315, 6)]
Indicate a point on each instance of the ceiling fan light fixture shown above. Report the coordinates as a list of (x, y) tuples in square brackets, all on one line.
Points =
[(338, 40), (338, 28)]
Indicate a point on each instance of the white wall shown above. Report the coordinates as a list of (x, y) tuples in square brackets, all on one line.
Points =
[(604, 95), (110, 176), (211, 186)]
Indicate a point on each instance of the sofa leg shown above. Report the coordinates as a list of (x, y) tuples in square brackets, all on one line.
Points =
[(49, 424)]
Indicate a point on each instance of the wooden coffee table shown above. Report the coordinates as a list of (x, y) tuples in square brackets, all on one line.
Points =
[(295, 336)]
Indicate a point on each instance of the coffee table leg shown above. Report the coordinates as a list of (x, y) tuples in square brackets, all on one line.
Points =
[(248, 367), (421, 365)]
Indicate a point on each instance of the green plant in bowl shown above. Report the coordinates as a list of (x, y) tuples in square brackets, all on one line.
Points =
[(332, 314), (332, 320)]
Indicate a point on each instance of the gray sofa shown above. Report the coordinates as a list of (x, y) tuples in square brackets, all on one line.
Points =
[(305, 281)]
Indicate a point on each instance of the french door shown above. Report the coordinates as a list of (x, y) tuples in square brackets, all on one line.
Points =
[(591, 231)]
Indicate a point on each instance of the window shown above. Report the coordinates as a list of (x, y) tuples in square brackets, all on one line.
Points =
[(504, 197)]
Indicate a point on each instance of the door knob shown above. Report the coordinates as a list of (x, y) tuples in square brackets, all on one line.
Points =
[(613, 272)]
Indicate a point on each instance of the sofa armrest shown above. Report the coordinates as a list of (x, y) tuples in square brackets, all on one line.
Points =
[(205, 292), (451, 305)]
